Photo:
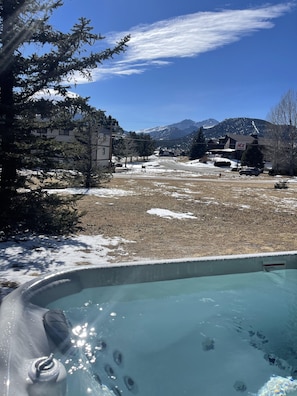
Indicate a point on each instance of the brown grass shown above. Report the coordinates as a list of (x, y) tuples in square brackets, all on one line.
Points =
[(234, 215)]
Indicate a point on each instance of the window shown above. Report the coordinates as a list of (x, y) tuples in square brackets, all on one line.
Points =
[(64, 132)]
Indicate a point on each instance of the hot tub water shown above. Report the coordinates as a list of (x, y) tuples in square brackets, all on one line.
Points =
[(213, 336)]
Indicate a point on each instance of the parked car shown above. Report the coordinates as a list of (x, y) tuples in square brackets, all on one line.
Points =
[(250, 171), (222, 162)]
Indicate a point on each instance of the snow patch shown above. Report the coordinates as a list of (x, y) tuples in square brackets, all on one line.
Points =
[(97, 192), (168, 214), (22, 260)]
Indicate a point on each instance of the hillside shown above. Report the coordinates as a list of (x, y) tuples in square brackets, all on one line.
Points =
[(180, 135), (238, 126)]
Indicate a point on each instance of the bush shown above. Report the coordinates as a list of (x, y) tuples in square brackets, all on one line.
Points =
[(38, 212), (281, 184)]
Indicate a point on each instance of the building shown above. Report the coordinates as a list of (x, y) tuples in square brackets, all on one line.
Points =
[(232, 146), (100, 141)]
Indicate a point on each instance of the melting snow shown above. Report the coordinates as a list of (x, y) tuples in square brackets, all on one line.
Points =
[(98, 192), (168, 214), (22, 260)]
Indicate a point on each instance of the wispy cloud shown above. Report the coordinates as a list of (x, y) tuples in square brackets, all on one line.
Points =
[(188, 36)]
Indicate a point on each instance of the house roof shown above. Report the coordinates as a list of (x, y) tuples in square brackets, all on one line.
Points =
[(240, 138), (248, 139)]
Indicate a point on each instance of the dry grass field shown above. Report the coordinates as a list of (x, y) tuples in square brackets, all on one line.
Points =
[(233, 215)]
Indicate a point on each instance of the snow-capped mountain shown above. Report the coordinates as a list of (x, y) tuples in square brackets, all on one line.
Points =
[(178, 130)]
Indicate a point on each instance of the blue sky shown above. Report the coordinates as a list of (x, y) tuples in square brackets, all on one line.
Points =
[(189, 59)]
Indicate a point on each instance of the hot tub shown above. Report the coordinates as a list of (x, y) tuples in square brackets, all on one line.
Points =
[(211, 326)]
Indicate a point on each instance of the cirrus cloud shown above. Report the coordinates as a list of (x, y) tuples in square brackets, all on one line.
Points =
[(158, 44), (193, 34)]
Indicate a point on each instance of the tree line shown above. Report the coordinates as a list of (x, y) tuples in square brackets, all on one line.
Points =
[(132, 144)]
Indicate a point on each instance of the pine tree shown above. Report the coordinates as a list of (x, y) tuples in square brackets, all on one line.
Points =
[(199, 146), (35, 57), (253, 155)]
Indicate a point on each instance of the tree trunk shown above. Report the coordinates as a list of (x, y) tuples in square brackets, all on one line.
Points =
[(8, 162), (9, 173)]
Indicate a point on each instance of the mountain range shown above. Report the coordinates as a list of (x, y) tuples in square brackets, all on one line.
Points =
[(181, 134), (178, 130)]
